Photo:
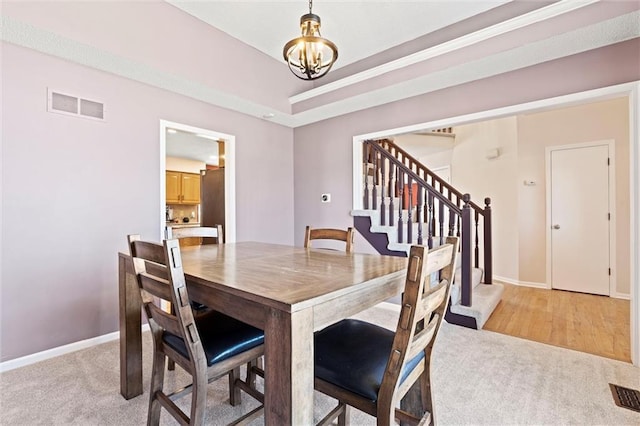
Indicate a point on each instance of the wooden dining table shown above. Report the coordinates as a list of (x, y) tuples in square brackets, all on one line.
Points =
[(289, 292)]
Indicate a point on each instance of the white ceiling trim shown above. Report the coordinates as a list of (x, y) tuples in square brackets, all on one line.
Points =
[(615, 30), (25, 35), (608, 32), (484, 34)]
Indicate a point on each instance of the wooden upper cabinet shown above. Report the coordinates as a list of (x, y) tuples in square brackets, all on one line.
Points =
[(173, 181), (182, 188), (190, 188)]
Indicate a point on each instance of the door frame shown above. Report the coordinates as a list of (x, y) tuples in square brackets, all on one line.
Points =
[(612, 208), (631, 91), (229, 174)]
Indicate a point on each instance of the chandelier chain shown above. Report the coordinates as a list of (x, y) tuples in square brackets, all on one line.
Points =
[(310, 5)]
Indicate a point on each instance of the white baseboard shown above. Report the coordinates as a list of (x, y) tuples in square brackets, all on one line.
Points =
[(61, 350), (625, 296), (520, 283)]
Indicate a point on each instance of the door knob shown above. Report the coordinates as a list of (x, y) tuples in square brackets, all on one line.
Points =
[(556, 226)]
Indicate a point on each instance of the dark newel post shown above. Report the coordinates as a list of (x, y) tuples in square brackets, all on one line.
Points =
[(383, 161), (488, 260), (466, 251), (365, 160)]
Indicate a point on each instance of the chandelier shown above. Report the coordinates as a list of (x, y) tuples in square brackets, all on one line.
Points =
[(310, 56)]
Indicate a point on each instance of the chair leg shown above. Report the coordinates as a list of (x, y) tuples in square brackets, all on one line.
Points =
[(198, 400), (425, 391), (251, 374), (344, 417), (235, 398), (157, 381)]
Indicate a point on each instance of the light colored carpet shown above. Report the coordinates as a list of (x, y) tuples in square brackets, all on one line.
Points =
[(479, 378)]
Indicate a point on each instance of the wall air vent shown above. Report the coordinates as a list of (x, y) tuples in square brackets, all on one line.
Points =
[(62, 103)]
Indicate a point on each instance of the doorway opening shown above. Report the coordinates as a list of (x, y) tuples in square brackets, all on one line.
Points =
[(197, 149), (630, 92)]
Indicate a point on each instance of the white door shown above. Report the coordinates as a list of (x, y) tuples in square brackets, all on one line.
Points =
[(580, 219)]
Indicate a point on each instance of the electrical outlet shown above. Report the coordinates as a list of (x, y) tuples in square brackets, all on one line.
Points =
[(326, 198)]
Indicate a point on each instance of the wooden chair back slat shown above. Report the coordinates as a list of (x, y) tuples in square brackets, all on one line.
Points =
[(156, 286), (438, 258), (157, 270), (423, 338), (329, 234), (165, 320), (147, 251), (198, 231), (431, 301)]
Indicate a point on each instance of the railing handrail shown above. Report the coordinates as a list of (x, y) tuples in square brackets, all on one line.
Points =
[(426, 170), (417, 178)]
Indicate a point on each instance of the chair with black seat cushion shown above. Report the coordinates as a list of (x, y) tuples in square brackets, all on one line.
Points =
[(371, 368), (207, 347), (215, 235), (329, 234)]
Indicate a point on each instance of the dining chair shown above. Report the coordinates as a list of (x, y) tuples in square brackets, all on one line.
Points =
[(207, 346), (196, 231), (371, 368), (329, 234)]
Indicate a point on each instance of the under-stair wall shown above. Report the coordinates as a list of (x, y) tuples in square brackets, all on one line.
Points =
[(406, 203)]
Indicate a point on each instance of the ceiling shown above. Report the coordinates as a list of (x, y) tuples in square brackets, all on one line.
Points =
[(189, 145), (352, 25), (362, 29), (458, 42), (359, 28)]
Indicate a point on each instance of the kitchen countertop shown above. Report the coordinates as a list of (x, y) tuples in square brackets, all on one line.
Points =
[(183, 224)]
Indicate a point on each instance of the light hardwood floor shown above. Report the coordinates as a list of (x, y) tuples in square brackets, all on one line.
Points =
[(597, 325)]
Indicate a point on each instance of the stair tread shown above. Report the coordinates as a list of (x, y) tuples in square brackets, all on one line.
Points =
[(485, 298)]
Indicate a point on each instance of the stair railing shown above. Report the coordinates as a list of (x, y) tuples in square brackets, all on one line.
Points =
[(426, 200)]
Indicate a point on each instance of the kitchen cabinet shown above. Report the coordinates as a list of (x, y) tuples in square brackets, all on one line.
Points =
[(182, 188), (190, 241)]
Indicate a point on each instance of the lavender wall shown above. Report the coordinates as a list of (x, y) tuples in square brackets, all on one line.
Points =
[(323, 151), (158, 35), (77, 187)]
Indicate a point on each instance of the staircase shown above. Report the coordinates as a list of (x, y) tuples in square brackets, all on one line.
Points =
[(405, 203)]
